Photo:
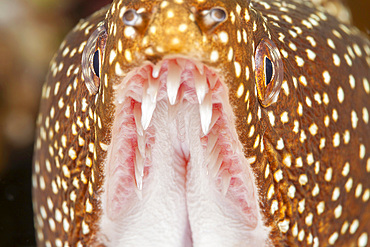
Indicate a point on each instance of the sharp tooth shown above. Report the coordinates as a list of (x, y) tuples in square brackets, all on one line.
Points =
[(153, 88), (141, 144), (139, 181), (173, 81), (225, 182), (212, 79), (215, 116), (212, 139), (156, 70), (139, 169), (137, 116), (181, 62), (200, 67), (205, 110), (214, 154), (201, 86), (139, 163), (214, 166), (147, 108)]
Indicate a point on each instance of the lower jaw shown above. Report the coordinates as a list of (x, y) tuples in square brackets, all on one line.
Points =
[(179, 178)]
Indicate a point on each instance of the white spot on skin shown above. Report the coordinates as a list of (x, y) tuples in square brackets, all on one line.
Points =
[(348, 185), (340, 94), (354, 226), (303, 80), (287, 160), (278, 175), (280, 144), (358, 190), (362, 240), (336, 194), (366, 85), (311, 55), (313, 129), (237, 69), (284, 117), (354, 119), (292, 46), (291, 191), (333, 238), (224, 37), (352, 81), (315, 190), (336, 60), (303, 179), (311, 40), (362, 151), (271, 118), (320, 207), (112, 56), (346, 169), (301, 206), (365, 115), (328, 174), (336, 139), (326, 76), (338, 211), (331, 44), (214, 56), (284, 225)]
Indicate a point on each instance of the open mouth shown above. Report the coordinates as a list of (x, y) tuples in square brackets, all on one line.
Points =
[(175, 169)]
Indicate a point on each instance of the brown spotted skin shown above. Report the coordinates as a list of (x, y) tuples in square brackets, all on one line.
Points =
[(310, 148), (63, 180)]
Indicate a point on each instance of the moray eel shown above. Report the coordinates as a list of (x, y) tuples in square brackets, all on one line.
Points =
[(205, 123)]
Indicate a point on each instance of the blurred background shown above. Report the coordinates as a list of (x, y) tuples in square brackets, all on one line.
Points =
[(30, 33)]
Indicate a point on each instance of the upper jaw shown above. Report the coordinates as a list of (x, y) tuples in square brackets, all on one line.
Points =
[(170, 69)]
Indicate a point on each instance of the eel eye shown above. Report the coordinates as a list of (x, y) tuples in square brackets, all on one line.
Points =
[(209, 19), (269, 72), (96, 63), (132, 18), (92, 58)]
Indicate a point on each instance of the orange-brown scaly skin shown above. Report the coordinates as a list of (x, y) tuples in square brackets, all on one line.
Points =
[(293, 115)]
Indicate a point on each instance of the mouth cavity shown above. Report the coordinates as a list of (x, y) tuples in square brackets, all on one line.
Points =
[(193, 99)]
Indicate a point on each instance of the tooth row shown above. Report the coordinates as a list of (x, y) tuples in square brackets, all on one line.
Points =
[(214, 161), (143, 113), (203, 91)]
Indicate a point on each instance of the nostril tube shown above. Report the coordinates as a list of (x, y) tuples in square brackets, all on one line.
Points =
[(209, 19)]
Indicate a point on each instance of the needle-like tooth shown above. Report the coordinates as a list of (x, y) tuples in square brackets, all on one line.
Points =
[(214, 154), (200, 67), (156, 70), (201, 86), (137, 116), (181, 62), (139, 163), (205, 110), (214, 166), (212, 139), (139, 181), (147, 108), (153, 87), (141, 144), (139, 169), (212, 79), (215, 116), (225, 182), (173, 81)]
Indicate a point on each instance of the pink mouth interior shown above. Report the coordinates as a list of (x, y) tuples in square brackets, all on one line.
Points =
[(174, 83)]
